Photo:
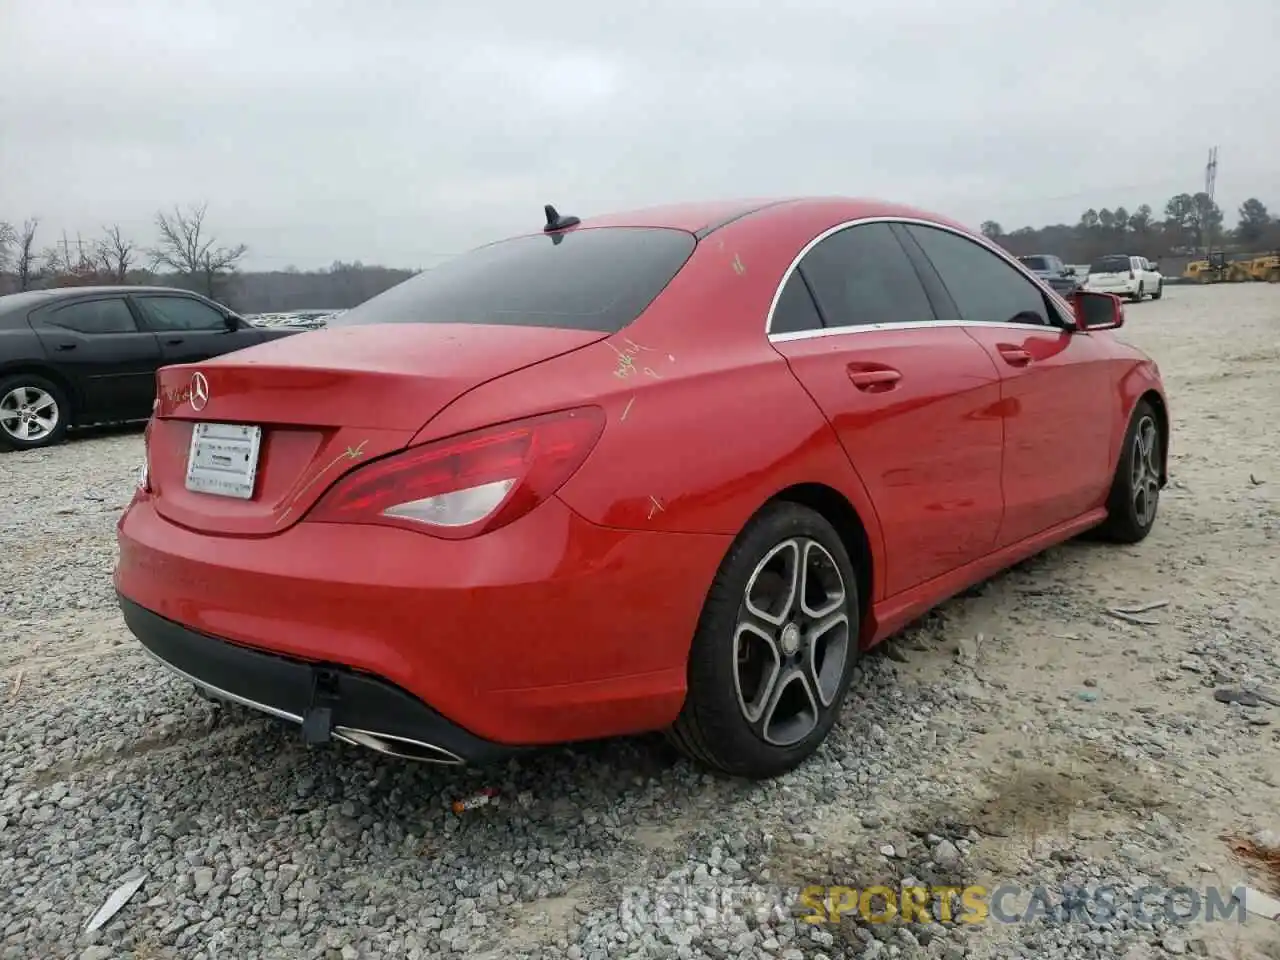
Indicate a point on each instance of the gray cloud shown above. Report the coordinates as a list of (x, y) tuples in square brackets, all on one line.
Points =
[(398, 131)]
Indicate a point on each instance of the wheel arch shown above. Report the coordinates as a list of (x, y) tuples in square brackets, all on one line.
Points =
[(836, 509), (1158, 405), (53, 376)]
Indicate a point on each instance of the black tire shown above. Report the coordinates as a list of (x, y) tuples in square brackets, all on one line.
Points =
[(1128, 520), (1137, 297), (713, 727), (1159, 291), (14, 413)]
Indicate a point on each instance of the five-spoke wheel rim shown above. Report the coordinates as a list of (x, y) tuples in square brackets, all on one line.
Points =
[(28, 413), (1145, 479), (791, 642)]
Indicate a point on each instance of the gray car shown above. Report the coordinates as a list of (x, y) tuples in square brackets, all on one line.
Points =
[(1054, 272)]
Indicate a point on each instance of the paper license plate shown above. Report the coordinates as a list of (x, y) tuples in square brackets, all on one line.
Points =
[(224, 459)]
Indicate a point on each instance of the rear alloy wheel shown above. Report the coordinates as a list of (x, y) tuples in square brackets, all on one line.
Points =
[(775, 647), (33, 412), (1135, 491)]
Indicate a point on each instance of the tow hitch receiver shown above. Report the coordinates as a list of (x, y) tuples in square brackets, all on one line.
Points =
[(317, 721)]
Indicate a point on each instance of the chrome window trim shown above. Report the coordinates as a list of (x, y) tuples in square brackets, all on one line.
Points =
[(1008, 258), (905, 325)]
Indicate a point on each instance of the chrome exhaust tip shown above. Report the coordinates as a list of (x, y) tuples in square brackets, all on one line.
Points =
[(402, 748)]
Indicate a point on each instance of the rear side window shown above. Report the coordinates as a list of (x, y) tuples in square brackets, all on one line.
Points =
[(94, 317), (796, 310), (1036, 263), (985, 288), (590, 279), (862, 276)]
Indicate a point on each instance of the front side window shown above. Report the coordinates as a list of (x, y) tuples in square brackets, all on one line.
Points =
[(171, 314), (598, 278), (985, 288), (94, 317), (862, 276)]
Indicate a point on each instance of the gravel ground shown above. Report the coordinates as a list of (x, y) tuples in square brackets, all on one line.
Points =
[(1019, 735)]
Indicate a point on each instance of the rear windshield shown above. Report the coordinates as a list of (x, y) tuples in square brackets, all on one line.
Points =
[(590, 279), (1035, 263), (14, 307), (1110, 265)]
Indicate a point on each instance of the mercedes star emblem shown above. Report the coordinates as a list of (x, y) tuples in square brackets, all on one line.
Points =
[(199, 392)]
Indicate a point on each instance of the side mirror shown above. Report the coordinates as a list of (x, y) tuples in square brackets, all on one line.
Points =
[(1097, 311), (232, 321), (1068, 271)]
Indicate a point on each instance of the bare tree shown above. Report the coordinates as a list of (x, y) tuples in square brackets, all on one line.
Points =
[(185, 247), (114, 254), (27, 266), (8, 236)]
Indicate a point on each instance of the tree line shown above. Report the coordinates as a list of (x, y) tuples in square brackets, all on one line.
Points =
[(1192, 223), (184, 252)]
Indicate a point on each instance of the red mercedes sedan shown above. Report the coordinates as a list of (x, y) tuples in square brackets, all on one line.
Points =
[(665, 470)]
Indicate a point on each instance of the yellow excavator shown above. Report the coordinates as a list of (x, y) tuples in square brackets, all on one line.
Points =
[(1264, 268), (1216, 268)]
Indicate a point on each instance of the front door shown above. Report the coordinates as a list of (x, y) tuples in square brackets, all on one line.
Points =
[(1055, 384), (914, 403), (190, 330), (110, 363)]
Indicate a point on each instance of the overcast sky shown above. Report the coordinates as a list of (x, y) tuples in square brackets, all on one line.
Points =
[(397, 131)]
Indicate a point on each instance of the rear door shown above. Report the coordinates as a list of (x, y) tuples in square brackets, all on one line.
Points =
[(189, 329), (914, 402), (1056, 384), (111, 363)]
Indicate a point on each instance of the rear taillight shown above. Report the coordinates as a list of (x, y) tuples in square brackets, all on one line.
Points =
[(469, 484), (1131, 273), (144, 474)]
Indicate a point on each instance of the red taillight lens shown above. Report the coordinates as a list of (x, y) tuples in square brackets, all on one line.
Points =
[(469, 484), (144, 472)]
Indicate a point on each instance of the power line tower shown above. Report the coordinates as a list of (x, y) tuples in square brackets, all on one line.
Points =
[(1210, 182)]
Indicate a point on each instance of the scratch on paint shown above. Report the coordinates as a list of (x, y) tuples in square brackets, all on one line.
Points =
[(655, 507), (351, 453), (627, 360), (627, 409), (738, 266)]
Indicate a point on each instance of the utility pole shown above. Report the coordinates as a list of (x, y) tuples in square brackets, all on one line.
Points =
[(1210, 182)]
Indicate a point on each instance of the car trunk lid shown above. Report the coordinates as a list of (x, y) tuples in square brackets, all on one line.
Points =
[(324, 402)]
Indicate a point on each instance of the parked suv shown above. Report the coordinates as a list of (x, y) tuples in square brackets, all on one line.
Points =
[(1125, 276), (1052, 271)]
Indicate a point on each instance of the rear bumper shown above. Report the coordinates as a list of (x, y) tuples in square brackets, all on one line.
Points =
[(361, 708), (552, 629)]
